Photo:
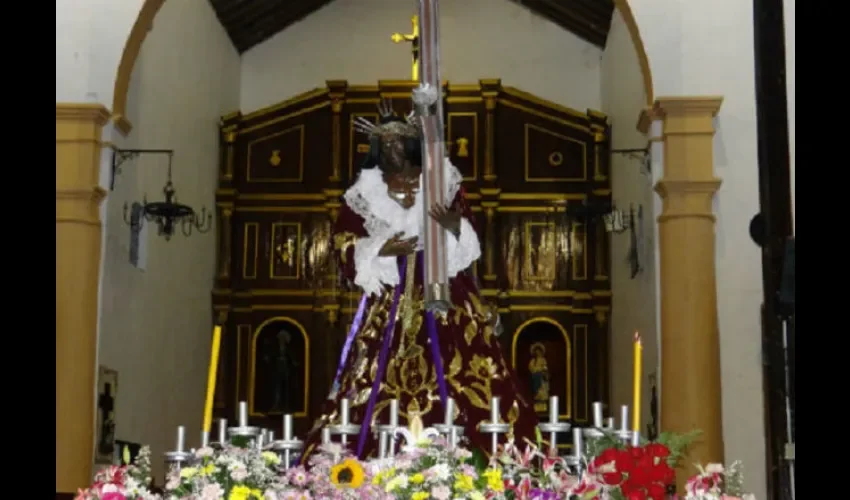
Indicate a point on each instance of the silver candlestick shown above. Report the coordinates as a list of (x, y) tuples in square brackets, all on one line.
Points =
[(221, 438), (344, 428), (386, 432), (624, 433), (595, 432), (243, 429), (635, 439), (448, 428), (494, 427), (205, 439), (553, 426), (289, 444), (574, 460), (179, 457)]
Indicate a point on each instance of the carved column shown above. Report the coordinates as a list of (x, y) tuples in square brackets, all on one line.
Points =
[(78, 241), (490, 92), (690, 347), (225, 238), (336, 92)]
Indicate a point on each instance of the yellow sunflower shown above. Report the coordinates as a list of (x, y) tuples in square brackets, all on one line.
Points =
[(348, 474)]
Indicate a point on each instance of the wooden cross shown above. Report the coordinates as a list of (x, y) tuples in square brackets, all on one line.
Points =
[(413, 38)]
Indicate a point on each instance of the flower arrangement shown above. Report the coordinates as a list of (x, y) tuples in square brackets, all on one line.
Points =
[(127, 482), (714, 482), (428, 469), (234, 473)]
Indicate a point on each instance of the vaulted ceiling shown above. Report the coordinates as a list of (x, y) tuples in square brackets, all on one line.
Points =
[(251, 22)]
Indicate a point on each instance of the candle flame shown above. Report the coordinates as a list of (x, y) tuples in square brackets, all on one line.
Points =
[(637, 337)]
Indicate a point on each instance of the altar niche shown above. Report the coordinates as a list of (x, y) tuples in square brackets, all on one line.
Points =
[(280, 367), (541, 353)]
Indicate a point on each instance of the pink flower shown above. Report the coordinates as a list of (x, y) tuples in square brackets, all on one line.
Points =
[(298, 477), (113, 495), (441, 492)]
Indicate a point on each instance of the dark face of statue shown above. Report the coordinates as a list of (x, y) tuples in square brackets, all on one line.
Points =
[(404, 186), (392, 153)]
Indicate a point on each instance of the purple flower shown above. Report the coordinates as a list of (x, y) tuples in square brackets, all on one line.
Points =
[(538, 494)]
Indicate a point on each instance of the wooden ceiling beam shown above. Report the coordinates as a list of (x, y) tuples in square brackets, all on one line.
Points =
[(584, 32), (263, 26), (251, 22), (226, 8), (596, 12), (595, 20)]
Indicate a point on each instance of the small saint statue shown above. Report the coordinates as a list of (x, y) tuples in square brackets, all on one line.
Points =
[(281, 365), (539, 377)]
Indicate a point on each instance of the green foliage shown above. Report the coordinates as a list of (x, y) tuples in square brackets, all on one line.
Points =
[(677, 444), (595, 446), (733, 479), (240, 441), (478, 460)]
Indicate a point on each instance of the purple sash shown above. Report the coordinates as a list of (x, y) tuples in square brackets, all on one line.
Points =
[(382, 360), (352, 332)]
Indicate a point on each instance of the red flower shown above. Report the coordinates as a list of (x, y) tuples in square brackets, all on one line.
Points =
[(656, 491), (636, 495), (657, 450), (663, 474)]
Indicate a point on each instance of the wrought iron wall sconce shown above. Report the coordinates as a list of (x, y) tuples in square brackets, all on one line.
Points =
[(618, 221), (167, 214)]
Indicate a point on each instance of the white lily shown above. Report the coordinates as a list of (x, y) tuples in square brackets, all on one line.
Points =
[(416, 436)]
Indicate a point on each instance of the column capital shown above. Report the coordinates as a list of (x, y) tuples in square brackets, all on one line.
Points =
[(82, 112), (79, 129), (687, 105)]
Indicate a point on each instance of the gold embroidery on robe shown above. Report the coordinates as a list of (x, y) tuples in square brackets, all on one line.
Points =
[(342, 241)]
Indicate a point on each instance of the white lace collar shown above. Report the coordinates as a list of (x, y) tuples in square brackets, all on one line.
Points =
[(368, 198)]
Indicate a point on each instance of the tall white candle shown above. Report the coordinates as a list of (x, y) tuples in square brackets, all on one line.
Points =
[(181, 438), (577, 444), (624, 417), (553, 409), (494, 410), (609, 423), (382, 445), (270, 435), (450, 411), (243, 414), (597, 414), (287, 427), (394, 412), (343, 411), (222, 430), (326, 435)]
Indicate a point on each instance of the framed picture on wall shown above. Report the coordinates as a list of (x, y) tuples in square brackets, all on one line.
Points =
[(107, 390)]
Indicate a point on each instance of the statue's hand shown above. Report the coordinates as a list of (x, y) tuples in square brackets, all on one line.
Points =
[(447, 218), (397, 246)]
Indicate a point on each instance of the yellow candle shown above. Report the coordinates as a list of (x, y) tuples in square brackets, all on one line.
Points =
[(638, 351), (211, 378)]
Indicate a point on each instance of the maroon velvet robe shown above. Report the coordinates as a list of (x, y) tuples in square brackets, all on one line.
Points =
[(474, 367)]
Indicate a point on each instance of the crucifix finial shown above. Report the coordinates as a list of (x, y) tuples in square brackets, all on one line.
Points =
[(413, 38)]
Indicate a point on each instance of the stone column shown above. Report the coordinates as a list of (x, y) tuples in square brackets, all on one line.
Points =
[(78, 241), (690, 347)]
